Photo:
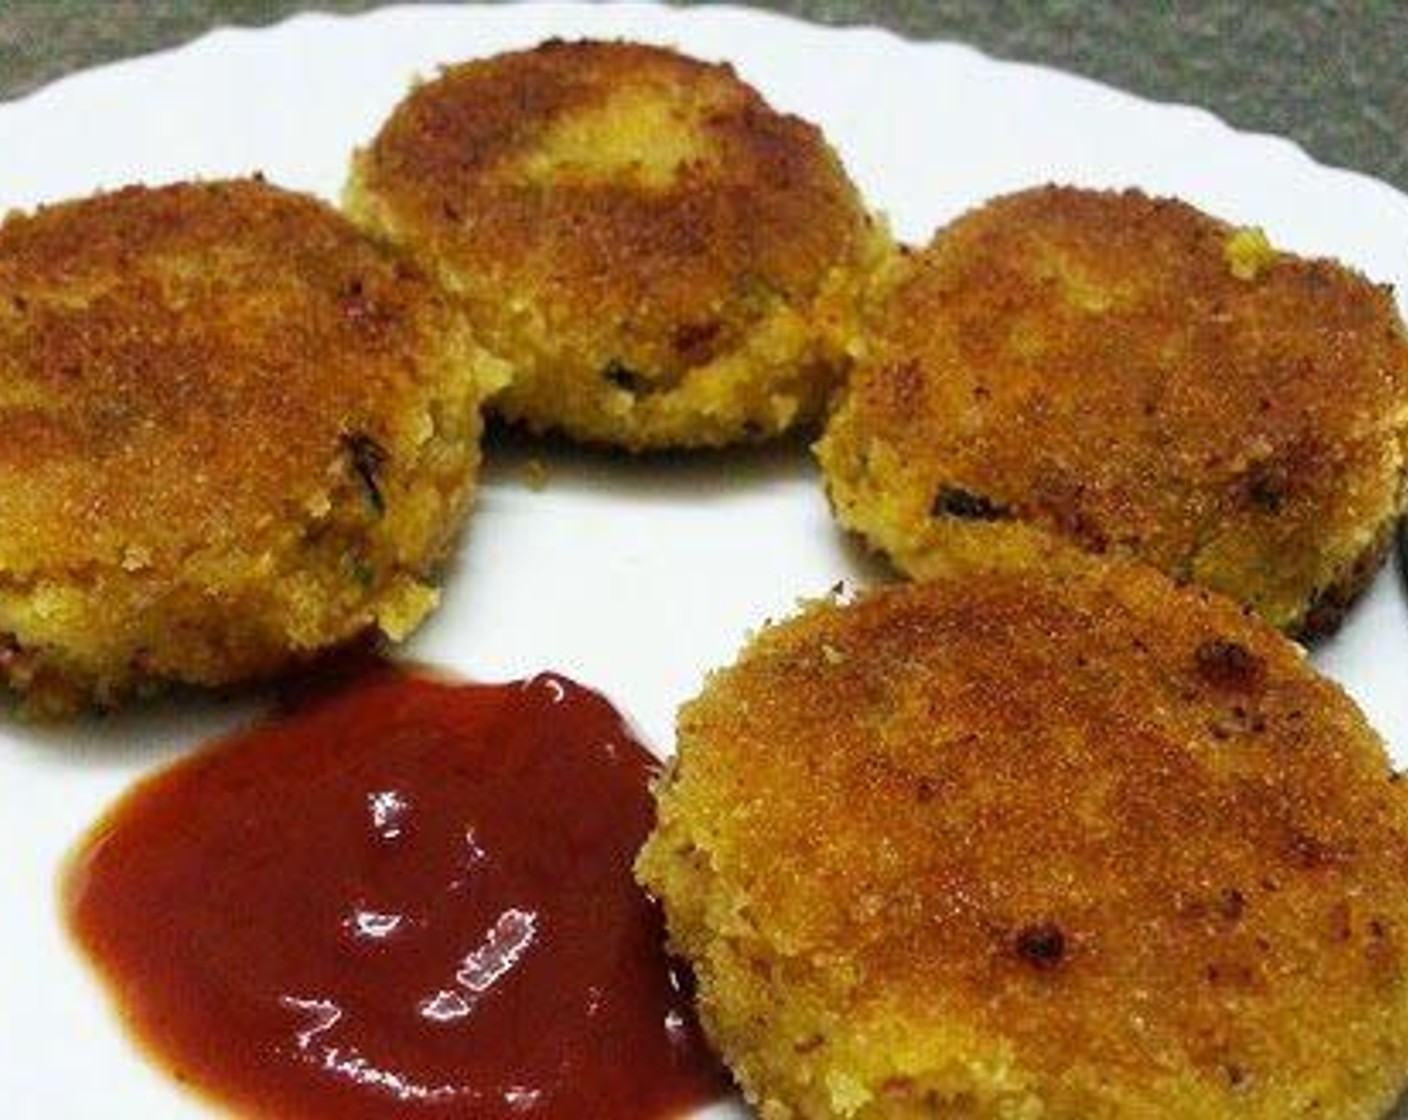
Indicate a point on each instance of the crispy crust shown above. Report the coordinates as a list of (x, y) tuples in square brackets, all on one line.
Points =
[(1328, 608), (1075, 846), (232, 431), (1137, 377), (664, 259)]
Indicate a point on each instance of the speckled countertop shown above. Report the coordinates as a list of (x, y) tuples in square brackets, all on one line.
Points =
[(1330, 74)]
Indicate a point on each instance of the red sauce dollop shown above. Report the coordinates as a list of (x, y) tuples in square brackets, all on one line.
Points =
[(405, 897)]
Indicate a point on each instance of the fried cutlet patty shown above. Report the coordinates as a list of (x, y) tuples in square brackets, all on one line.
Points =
[(233, 431), (1133, 376), (1020, 845), (664, 260)]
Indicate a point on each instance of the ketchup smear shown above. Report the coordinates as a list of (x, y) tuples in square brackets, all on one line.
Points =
[(405, 898)]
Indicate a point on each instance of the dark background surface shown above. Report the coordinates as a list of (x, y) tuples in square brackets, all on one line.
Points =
[(1332, 76)]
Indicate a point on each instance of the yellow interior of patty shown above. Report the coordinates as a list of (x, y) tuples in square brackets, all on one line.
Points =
[(641, 129), (1249, 253)]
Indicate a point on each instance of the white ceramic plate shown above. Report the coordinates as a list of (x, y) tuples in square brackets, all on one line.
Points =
[(632, 578)]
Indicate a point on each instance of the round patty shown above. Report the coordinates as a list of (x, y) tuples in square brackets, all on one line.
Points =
[(233, 431), (1024, 845), (663, 259), (1132, 376)]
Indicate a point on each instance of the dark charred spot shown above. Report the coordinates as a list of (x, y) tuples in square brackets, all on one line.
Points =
[(1236, 1075), (1233, 904), (1043, 945), (807, 1045), (20, 303), (449, 211), (925, 790), (358, 304), (368, 458), (694, 342), (623, 377), (1267, 488), (1229, 665), (1266, 496), (953, 501)]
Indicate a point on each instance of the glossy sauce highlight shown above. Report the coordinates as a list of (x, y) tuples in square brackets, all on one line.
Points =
[(407, 897)]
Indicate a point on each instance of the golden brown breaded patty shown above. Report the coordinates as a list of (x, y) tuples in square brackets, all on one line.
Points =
[(663, 259), (1133, 376), (1023, 846), (232, 431)]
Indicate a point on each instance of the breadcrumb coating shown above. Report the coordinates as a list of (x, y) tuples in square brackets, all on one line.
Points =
[(662, 258), (233, 431), (1132, 376), (1029, 844)]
